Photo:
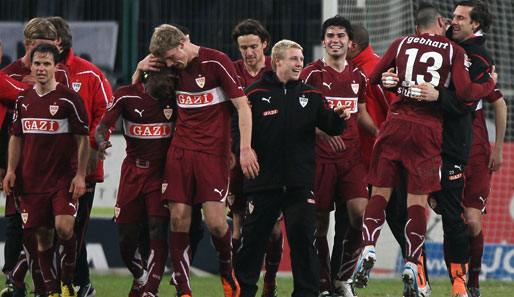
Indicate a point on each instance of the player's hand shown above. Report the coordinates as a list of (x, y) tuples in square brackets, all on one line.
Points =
[(336, 143), (8, 183), (78, 186), (150, 63), (92, 162), (496, 159), (232, 161), (249, 164), (494, 75), (343, 111), (102, 149), (390, 79), (424, 92)]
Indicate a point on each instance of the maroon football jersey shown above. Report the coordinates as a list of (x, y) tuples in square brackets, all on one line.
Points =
[(427, 58), (18, 71), (47, 124), (338, 88), (146, 121), (203, 103), (245, 77), (481, 148)]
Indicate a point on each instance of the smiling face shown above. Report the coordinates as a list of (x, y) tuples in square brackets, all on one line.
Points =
[(43, 67), (252, 49), (463, 26), (289, 67), (336, 42)]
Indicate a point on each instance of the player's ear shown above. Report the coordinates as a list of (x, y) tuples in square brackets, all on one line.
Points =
[(417, 30)]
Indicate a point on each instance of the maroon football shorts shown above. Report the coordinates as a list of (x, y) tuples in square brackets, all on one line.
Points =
[(478, 185), (236, 198), (407, 150), (139, 194), (40, 209), (195, 177), (339, 182)]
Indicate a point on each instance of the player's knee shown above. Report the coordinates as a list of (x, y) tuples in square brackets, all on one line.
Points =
[(178, 223), (217, 228), (276, 233), (157, 228), (474, 225), (64, 232)]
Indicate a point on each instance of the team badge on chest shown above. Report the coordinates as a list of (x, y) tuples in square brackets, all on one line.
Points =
[(200, 81), (76, 86), (355, 88), (303, 101), (54, 109), (164, 186), (24, 217), (168, 112)]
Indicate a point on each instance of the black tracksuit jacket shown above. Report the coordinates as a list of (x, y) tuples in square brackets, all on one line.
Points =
[(284, 119)]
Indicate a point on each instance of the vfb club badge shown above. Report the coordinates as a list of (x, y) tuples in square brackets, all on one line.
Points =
[(303, 101), (76, 86), (24, 217), (168, 112), (54, 109), (164, 187), (200, 81), (355, 88)]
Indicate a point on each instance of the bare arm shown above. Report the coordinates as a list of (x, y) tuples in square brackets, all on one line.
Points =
[(12, 163), (101, 139), (78, 184), (149, 63), (247, 156), (500, 121), (365, 121)]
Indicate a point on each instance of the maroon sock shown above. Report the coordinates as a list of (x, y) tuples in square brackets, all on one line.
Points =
[(236, 243), (156, 262), (224, 247), (132, 258), (30, 246), (273, 258), (48, 265), (374, 218), (351, 250), (68, 253), (476, 250), (415, 230), (180, 253), (20, 270), (324, 263)]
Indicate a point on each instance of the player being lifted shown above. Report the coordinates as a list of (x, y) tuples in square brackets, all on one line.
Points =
[(409, 143), (340, 170)]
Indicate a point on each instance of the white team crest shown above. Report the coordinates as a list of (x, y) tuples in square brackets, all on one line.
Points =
[(231, 198), (355, 88), (76, 86), (164, 187), (200, 81), (117, 212), (250, 207), (54, 109), (303, 101), (168, 112), (24, 217)]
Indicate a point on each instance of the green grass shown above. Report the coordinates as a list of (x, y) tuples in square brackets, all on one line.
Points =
[(95, 212), (119, 285)]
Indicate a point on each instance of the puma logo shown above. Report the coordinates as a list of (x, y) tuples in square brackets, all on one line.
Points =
[(374, 220), (219, 191), (73, 205), (139, 112), (25, 106), (482, 199), (328, 85), (458, 167), (267, 99), (422, 237)]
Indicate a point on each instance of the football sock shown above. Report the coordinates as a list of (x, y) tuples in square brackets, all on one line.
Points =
[(415, 230), (351, 251), (132, 258), (47, 263), (180, 252), (224, 247), (68, 254), (476, 250), (272, 259), (156, 262), (374, 218)]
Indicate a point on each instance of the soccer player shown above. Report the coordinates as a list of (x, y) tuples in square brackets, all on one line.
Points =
[(286, 112), (252, 41), (50, 129), (409, 142), (197, 166), (340, 170), (36, 31), (94, 88), (147, 113)]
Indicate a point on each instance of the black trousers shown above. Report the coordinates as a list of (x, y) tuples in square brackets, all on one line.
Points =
[(13, 241), (81, 275), (263, 209), (449, 200)]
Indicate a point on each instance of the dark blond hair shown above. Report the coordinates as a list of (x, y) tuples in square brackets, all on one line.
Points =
[(164, 38)]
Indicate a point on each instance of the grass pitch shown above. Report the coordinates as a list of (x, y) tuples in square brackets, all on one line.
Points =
[(118, 286)]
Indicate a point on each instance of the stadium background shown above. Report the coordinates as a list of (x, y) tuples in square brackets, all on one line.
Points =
[(114, 34)]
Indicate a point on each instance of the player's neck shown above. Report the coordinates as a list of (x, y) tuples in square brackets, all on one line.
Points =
[(337, 63), (43, 89), (255, 69), (193, 50)]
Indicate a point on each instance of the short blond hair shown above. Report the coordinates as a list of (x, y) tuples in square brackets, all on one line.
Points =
[(39, 28), (278, 50), (164, 38)]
